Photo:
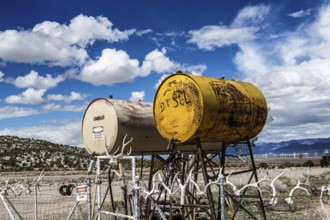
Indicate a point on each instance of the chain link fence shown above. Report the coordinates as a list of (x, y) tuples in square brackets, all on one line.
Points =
[(39, 203)]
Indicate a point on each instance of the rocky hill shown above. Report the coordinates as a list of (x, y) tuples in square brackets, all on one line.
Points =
[(24, 154)]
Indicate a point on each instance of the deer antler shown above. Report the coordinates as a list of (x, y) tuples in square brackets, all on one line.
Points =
[(153, 189), (230, 183), (5, 188), (123, 148), (29, 184), (256, 185), (15, 188), (199, 191), (168, 189), (38, 181), (183, 186), (203, 192), (273, 201), (120, 174), (289, 199), (324, 189), (115, 156), (107, 144)]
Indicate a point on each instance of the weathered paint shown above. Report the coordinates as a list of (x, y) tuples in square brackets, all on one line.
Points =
[(190, 106), (109, 120)]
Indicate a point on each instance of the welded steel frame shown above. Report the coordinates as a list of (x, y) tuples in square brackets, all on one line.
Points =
[(237, 200), (201, 162), (204, 162), (136, 187)]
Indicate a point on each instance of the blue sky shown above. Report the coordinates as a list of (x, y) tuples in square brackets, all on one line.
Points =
[(57, 56)]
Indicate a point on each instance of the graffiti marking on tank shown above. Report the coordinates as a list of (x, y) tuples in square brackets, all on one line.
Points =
[(164, 105), (235, 109), (180, 97)]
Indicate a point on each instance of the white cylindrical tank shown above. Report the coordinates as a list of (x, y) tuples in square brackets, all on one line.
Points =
[(107, 121)]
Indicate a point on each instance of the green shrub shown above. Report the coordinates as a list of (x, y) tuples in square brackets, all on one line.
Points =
[(308, 163)]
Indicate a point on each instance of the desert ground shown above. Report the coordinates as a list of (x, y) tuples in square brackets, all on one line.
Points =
[(307, 204)]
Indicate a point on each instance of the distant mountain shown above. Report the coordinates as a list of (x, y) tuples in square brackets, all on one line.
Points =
[(318, 145), (24, 154)]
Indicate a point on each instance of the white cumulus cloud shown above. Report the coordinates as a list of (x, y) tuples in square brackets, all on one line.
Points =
[(34, 80), (29, 96), (58, 44), (157, 61), (137, 96), (115, 66), (83, 30)]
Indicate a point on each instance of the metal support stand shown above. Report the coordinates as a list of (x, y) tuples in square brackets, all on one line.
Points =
[(238, 203), (208, 166), (206, 178)]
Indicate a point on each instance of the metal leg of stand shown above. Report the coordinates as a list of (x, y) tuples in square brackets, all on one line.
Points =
[(221, 202), (205, 176), (256, 179), (148, 202)]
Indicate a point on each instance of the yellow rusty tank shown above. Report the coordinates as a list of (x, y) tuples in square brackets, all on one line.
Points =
[(214, 110)]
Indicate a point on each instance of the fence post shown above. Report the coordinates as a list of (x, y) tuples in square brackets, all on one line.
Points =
[(136, 194), (98, 186), (36, 203), (89, 199)]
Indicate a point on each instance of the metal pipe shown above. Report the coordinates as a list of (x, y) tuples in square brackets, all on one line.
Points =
[(135, 180), (74, 208), (98, 187), (89, 199), (111, 193), (36, 203), (116, 214), (6, 205)]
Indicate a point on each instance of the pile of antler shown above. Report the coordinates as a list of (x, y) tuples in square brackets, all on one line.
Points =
[(17, 186), (175, 186)]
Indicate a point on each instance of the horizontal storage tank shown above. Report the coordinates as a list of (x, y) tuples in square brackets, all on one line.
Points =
[(190, 106), (109, 120)]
